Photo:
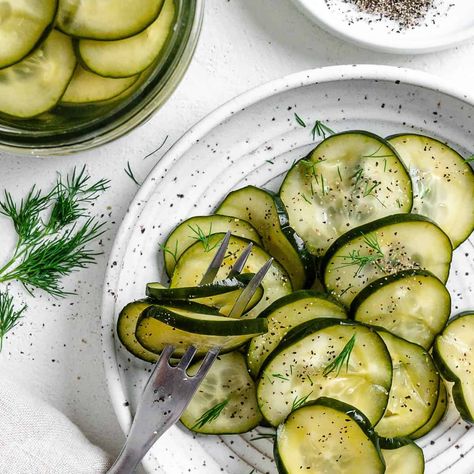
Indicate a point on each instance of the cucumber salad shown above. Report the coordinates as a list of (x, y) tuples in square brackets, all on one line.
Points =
[(70, 53), (344, 351)]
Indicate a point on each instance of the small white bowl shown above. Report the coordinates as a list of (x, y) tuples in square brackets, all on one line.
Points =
[(450, 22)]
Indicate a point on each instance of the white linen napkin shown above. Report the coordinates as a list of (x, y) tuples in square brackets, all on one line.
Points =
[(35, 438)]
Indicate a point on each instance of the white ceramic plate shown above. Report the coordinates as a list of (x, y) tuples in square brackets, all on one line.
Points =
[(253, 140), (452, 22)]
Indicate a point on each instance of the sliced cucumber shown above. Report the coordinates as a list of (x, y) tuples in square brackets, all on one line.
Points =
[(200, 228), (383, 247), (285, 314), (23, 25), (303, 368), (407, 459), (414, 391), (265, 211), (226, 400), (36, 84), (106, 19), (327, 436), (159, 326), (87, 87), (130, 56), (412, 304), (436, 417), (194, 261), (126, 326), (453, 352), (350, 179), (443, 183)]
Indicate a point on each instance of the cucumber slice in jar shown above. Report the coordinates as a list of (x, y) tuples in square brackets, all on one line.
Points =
[(23, 25), (200, 228), (86, 87), (326, 357), (437, 416), (414, 391), (36, 84), (406, 459), (453, 352), (106, 19), (384, 247), (226, 400), (412, 304), (443, 183), (159, 326), (265, 211), (349, 179), (129, 56), (285, 314), (327, 436), (195, 260)]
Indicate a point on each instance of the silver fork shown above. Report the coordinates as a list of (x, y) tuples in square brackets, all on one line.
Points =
[(169, 388), (165, 396)]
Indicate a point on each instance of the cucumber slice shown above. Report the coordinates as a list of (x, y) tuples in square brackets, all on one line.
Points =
[(453, 352), (194, 261), (383, 247), (303, 368), (414, 391), (226, 400), (443, 183), (87, 87), (126, 326), (436, 417), (23, 25), (106, 19), (285, 314), (129, 56), (350, 179), (36, 84), (407, 459), (265, 211), (412, 304), (327, 436), (159, 326), (200, 228)]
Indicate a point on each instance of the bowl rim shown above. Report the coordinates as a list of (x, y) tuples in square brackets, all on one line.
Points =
[(371, 72)]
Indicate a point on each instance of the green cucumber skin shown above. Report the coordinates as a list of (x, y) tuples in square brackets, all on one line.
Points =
[(456, 391), (355, 414), (290, 234), (40, 40), (231, 327)]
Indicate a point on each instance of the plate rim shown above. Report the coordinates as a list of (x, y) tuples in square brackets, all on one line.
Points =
[(426, 46), (296, 80)]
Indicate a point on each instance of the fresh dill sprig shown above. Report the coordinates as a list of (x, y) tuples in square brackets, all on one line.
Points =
[(354, 258), (359, 176), (300, 121), (298, 402), (129, 173), (469, 159), (9, 315), (210, 415), (45, 262), (280, 376), (375, 155), (306, 198), (201, 236), (320, 129), (173, 253), (158, 149), (342, 359)]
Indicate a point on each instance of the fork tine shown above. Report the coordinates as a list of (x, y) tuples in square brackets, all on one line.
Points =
[(214, 266), (207, 362), (240, 262), (248, 292), (187, 358)]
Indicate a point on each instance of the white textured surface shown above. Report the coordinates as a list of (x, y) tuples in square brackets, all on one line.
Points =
[(56, 351)]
